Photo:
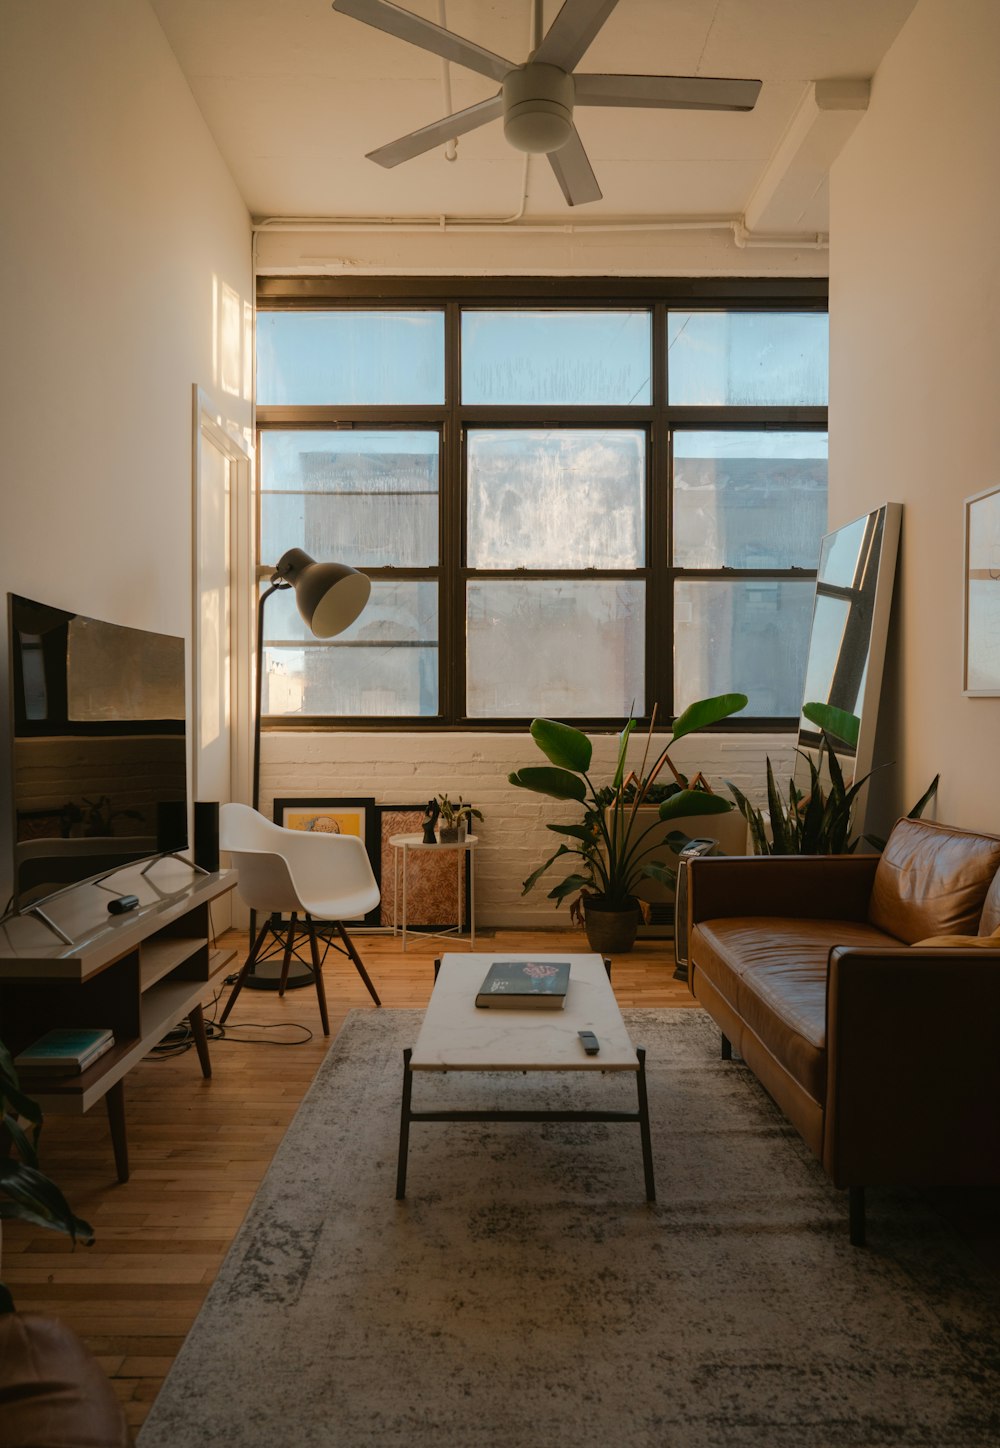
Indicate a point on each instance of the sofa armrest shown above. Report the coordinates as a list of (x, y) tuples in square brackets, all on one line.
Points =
[(913, 1072), (816, 887)]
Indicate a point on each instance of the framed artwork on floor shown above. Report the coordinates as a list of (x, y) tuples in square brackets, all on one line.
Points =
[(431, 888), (336, 817), (982, 593)]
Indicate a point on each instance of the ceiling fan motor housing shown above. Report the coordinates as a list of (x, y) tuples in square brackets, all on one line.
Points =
[(538, 107)]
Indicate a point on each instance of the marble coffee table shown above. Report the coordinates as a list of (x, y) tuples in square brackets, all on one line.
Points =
[(458, 1036)]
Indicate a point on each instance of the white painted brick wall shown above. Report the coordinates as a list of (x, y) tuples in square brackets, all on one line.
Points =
[(400, 767)]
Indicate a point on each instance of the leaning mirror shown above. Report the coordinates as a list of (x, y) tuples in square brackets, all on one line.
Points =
[(854, 581)]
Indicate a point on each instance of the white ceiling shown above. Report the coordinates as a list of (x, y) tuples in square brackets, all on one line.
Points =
[(295, 94)]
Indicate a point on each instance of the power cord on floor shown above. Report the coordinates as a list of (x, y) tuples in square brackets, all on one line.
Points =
[(181, 1038)]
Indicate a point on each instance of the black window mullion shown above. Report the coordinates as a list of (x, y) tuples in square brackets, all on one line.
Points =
[(659, 603), (451, 661)]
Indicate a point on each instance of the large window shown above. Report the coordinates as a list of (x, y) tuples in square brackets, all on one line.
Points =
[(573, 499)]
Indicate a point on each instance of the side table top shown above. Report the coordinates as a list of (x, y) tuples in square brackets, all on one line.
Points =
[(417, 842), (457, 1035)]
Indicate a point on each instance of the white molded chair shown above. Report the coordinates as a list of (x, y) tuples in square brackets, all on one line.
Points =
[(292, 872)]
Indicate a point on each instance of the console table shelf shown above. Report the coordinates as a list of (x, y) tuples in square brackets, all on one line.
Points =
[(138, 974)]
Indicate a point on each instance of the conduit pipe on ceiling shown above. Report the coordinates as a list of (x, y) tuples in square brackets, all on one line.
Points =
[(815, 241)]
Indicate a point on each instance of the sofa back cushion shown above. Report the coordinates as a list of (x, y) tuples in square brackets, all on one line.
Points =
[(990, 922), (932, 880)]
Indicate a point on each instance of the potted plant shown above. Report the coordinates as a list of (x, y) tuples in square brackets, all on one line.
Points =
[(610, 844), (454, 819), (819, 820), (26, 1194)]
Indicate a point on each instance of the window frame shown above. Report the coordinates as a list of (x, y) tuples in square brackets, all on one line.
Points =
[(452, 419)]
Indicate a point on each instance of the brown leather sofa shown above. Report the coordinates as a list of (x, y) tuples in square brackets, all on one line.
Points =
[(880, 1047)]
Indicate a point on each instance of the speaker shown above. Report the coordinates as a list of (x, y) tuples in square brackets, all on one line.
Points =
[(206, 835)]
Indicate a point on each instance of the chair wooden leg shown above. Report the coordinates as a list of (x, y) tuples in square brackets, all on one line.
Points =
[(318, 975), (357, 962), (287, 959), (251, 958)]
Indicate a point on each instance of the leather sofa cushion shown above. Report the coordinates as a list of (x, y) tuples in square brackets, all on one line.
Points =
[(53, 1392), (932, 880), (989, 922), (773, 971)]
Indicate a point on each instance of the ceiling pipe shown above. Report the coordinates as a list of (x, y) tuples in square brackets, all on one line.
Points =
[(814, 241)]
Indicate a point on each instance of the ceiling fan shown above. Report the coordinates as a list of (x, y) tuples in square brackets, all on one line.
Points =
[(536, 99)]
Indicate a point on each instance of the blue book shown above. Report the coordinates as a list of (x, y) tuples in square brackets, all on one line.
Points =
[(525, 985), (65, 1051)]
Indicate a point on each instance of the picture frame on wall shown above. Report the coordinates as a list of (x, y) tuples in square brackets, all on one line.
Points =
[(336, 817), (431, 893), (982, 593)]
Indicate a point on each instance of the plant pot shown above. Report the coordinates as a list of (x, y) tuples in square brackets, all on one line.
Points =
[(451, 834), (611, 930)]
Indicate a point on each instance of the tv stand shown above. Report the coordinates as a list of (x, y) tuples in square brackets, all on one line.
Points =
[(138, 973)]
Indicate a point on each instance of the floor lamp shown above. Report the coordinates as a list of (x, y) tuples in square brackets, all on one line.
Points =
[(329, 596)]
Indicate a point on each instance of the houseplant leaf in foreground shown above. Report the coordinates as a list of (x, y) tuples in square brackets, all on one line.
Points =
[(837, 722)]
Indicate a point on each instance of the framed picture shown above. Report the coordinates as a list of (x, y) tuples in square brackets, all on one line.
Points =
[(335, 817), (982, 593), (431, 894)]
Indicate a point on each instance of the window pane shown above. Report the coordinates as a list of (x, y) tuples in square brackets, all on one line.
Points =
[(572, 358), (369, 499), (747, 359), (556, 499), (561, 650), (751, 637), (749, 499), (311, 358), (386, 663)]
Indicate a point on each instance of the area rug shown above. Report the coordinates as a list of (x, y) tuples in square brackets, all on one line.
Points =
[(526, 1296)]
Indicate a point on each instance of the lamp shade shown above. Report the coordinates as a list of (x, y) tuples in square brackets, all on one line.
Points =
[(329, 596)]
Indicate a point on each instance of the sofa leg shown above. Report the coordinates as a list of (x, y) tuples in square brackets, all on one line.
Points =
[(727, 1049), (856, 1210)]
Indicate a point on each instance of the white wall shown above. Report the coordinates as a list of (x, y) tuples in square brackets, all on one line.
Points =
[(126, 277), (915, 375)]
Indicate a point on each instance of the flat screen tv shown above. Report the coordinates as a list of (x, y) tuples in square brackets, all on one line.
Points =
[(99, 754)]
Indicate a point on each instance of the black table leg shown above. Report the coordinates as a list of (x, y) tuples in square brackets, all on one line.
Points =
[(647, 1143), (404, 1125)]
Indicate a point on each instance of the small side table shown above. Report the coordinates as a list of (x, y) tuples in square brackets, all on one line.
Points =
[(403, 846)]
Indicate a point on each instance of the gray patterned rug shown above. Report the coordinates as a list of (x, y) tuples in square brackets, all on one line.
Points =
[(525, 1296)]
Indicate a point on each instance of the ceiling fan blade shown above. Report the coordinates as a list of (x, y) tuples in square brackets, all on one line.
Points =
[(674, 92), (570, 34), (394, 20), (438, 133), (574, 172)]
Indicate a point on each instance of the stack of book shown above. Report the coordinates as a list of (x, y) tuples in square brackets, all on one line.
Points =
[(63, 1052), (525, 984)]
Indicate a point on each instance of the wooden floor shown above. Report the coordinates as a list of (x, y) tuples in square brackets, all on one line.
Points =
[(199, 1149)]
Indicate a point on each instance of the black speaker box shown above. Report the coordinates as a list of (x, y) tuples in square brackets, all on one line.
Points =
[(206, 835)]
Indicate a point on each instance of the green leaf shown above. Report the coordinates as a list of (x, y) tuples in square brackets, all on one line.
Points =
[(838, 722), (6, 1301), (563, 745), (556, 783), (623, 739), (24, 1147), (568, 886), (779, 833), (35, 1198), (693, 802), (536, 875), (584, 833), (662, 873), (708, 711), (924, 799)]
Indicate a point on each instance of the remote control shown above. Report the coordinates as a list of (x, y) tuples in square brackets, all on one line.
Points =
[(123, 904), (590, 1042)]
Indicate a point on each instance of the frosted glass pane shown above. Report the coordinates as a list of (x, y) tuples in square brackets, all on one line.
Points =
[(385, 664), (369, 499), (748, 359), (556, 499), (570, 358), (750, 637), (561, 650), (312, 358), (749, 499)]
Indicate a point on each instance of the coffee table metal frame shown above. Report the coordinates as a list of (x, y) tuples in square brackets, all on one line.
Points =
[(598, 1011)]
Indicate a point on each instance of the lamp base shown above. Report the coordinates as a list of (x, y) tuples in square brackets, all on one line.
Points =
[(266, 975)]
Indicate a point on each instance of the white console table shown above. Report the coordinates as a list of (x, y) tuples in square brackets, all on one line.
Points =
[(138, 973)]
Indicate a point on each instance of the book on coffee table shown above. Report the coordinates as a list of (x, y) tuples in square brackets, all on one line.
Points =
[(525, 984)]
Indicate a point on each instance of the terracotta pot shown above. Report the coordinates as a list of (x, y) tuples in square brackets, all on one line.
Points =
[(610, 930)]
